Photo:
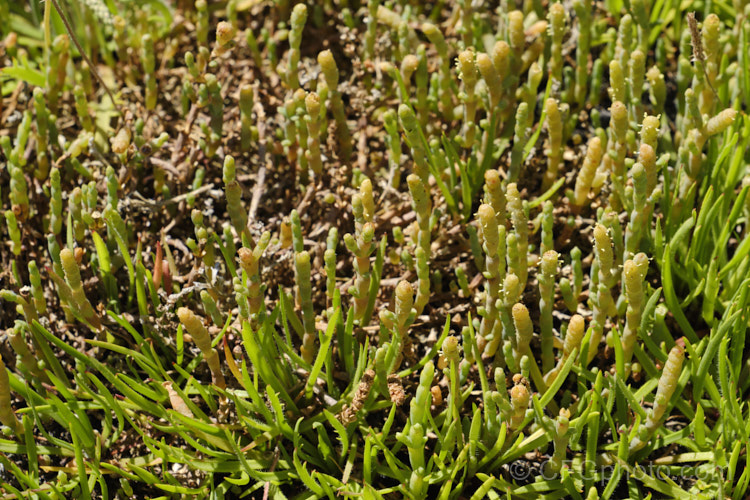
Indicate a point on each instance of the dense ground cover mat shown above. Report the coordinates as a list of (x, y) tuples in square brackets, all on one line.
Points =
[(374, 249)]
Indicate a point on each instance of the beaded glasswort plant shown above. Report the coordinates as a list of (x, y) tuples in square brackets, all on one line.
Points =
[(374, 249)]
